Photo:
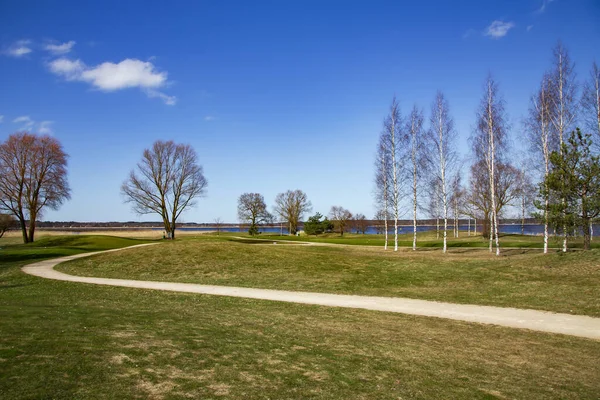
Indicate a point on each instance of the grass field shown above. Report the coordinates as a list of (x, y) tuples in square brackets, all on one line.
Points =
[(522, 278), (66, 340)]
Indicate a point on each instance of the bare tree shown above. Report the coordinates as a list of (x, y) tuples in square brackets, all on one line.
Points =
[(542, 139), (489, 144), (167, 182), (360, 223), (526, 193), (457, 196), (564, 105), (33, 176), (340, 218), (506, 192), (590, 103), (382, 184), (291, 206), (415, 130), (253, 209), (394, 144), (218, 224), (441, 139), (7, 222)]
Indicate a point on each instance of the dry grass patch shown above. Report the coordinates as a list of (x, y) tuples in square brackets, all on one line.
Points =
[(521, 278)]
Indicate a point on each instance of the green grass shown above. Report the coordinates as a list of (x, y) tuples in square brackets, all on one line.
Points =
[(523, 278), (65, 340)]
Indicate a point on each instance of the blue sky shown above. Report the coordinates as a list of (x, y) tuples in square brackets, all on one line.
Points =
[(272, 95)]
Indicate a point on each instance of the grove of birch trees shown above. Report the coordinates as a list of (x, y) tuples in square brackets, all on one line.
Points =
[(418, 171)]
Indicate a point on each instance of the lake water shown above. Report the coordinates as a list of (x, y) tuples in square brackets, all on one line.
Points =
[(529, 229)]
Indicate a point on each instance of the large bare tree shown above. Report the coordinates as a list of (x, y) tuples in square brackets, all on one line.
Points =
[(33, 176), (414, 127), (441, 138), (253, 209), (341, 218), (542, 139), (168, 181), (291, 206), (490, 142), (590, 103), (563, 92)]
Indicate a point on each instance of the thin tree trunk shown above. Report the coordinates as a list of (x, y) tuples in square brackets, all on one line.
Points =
[(546, 225), (522, 216)]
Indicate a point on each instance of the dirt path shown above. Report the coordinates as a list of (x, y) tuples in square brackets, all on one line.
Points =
[(575, 325)]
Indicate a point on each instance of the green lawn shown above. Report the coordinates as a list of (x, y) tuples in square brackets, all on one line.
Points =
[(64, 340), (520, 278)]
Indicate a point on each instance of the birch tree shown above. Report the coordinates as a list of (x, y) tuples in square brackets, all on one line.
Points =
[(393, 143), (441, 137), (414, 127), (382, 184), (489, 143), (542, 139), (590, 103), (564, 105)]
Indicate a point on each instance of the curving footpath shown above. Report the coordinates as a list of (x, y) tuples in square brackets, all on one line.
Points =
[(574, 325)]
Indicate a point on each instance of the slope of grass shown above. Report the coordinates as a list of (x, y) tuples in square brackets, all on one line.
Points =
[(64, 340), (520, 278)]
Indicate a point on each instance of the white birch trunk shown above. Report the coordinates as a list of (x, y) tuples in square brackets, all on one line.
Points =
[(395, 183)]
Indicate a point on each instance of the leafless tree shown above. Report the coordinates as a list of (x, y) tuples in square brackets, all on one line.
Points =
[(506, 191), (381, 223), (590, 103), (434, 205), (33, 176), (340, 218), (441, 139), (526, 193), (457, 196), (542, 138), (564, 105), (167, 182), (291, 206), (218, 224), (490, 142), (360, 223), (382, 184), (394, 143), (415, 130), (253, 209), (7, 222)]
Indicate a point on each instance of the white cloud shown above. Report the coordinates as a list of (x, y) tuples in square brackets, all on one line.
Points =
[(498, 29), (209, 118), (44, 128), (529, 28), (26, 121), (19, 48), (109, 77), (58, 49), (1, 118), (68, 69)]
